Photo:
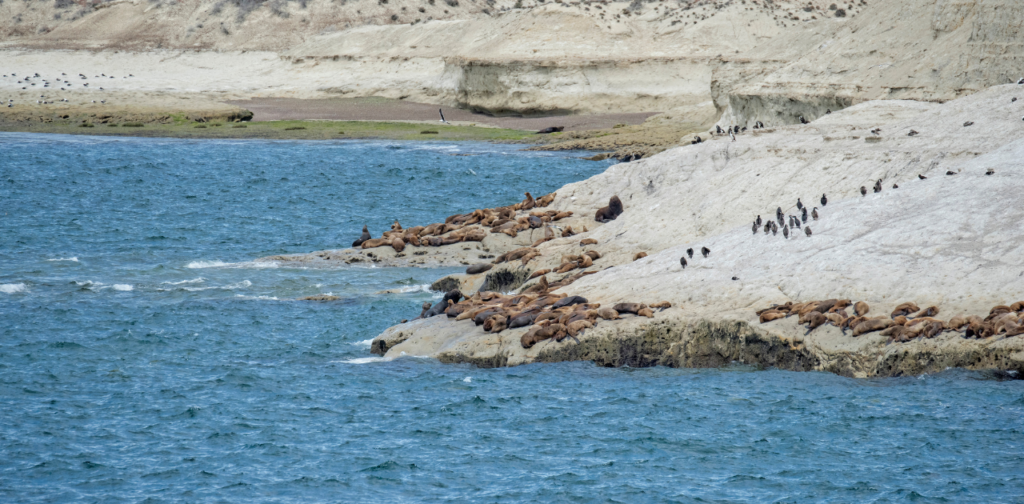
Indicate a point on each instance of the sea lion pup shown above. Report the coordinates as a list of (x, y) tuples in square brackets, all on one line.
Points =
[(869, 325), (905, 309), (478, 268), (639, 255), (682, 262), (362, 238), (398, 244), (539, 287), (567, 232), (835, 318), (861, 308), (863, 191), (661, 305), (546, 200), (645, 312), (610, 212), (426, 308), (771, 315), (704, 251), (588, 241), (931, 311), (538, 273)]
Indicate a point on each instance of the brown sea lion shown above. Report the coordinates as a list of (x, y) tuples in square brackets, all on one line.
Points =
[(396, 226), (566, 267), (1017, 307), (608, 313), (870, 325), (861, 308), (661, 305), (567, 232), (931, 311), (958, 322), (645, 312), (771, 315), (905, 309), (585, 261), (375, 242), (528, 203), (538, 273), (996, 311), (540, 286), (575, 327), (546, 200), (610, 212), (628, 307), (588, 241), (478, 268), (639, 255), (398, 244), (594, 255), (815, 320)]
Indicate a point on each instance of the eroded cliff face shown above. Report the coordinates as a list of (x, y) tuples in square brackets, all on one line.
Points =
[(772, 62)]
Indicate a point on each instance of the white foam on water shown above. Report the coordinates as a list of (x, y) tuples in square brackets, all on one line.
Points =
[(363, 360), (206, 264), (69, 259), (222, 264), (257, 298), (414, 288), (122, 287), (184, 282), (467, 380), (13, 288), (244, 284), (363, 343)]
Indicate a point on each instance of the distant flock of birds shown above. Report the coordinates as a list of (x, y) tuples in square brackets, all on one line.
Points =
[(62, 81)]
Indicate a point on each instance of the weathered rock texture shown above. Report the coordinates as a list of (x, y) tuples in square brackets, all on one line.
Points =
[(954, 241)]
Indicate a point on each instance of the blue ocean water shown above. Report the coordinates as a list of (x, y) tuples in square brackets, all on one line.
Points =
[(145, 358)]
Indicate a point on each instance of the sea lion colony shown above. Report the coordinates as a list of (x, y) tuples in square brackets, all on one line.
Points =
[(472, 226), (907, 322), (546, 314)]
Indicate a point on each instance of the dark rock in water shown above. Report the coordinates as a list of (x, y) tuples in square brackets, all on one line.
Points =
[(569, 301), (478, 268), (446, 284), (551, 129), (319, 297)]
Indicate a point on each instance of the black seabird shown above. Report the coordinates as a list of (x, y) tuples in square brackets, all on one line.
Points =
[(442, 117)]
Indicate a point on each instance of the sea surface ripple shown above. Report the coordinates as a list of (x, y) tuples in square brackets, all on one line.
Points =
[(145, 358)]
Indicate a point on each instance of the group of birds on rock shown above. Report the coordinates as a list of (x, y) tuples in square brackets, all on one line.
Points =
[(704, 251), (906, 322), (473, 226), (548, 315), (789, 223)]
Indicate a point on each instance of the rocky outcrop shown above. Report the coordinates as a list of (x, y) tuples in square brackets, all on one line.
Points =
[(943, 229)]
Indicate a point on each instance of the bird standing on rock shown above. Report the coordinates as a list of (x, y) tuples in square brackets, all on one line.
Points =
[(754, 227), (824, 200), (682, 262), (807, 231), (878, 186), (863, 191), (803, 215), (785, 232), (705, 251), (814, 213), (689, 252), (758, 220), (799, 205)]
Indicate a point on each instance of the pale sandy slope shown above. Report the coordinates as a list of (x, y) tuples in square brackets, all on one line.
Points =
[(956, 241)]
